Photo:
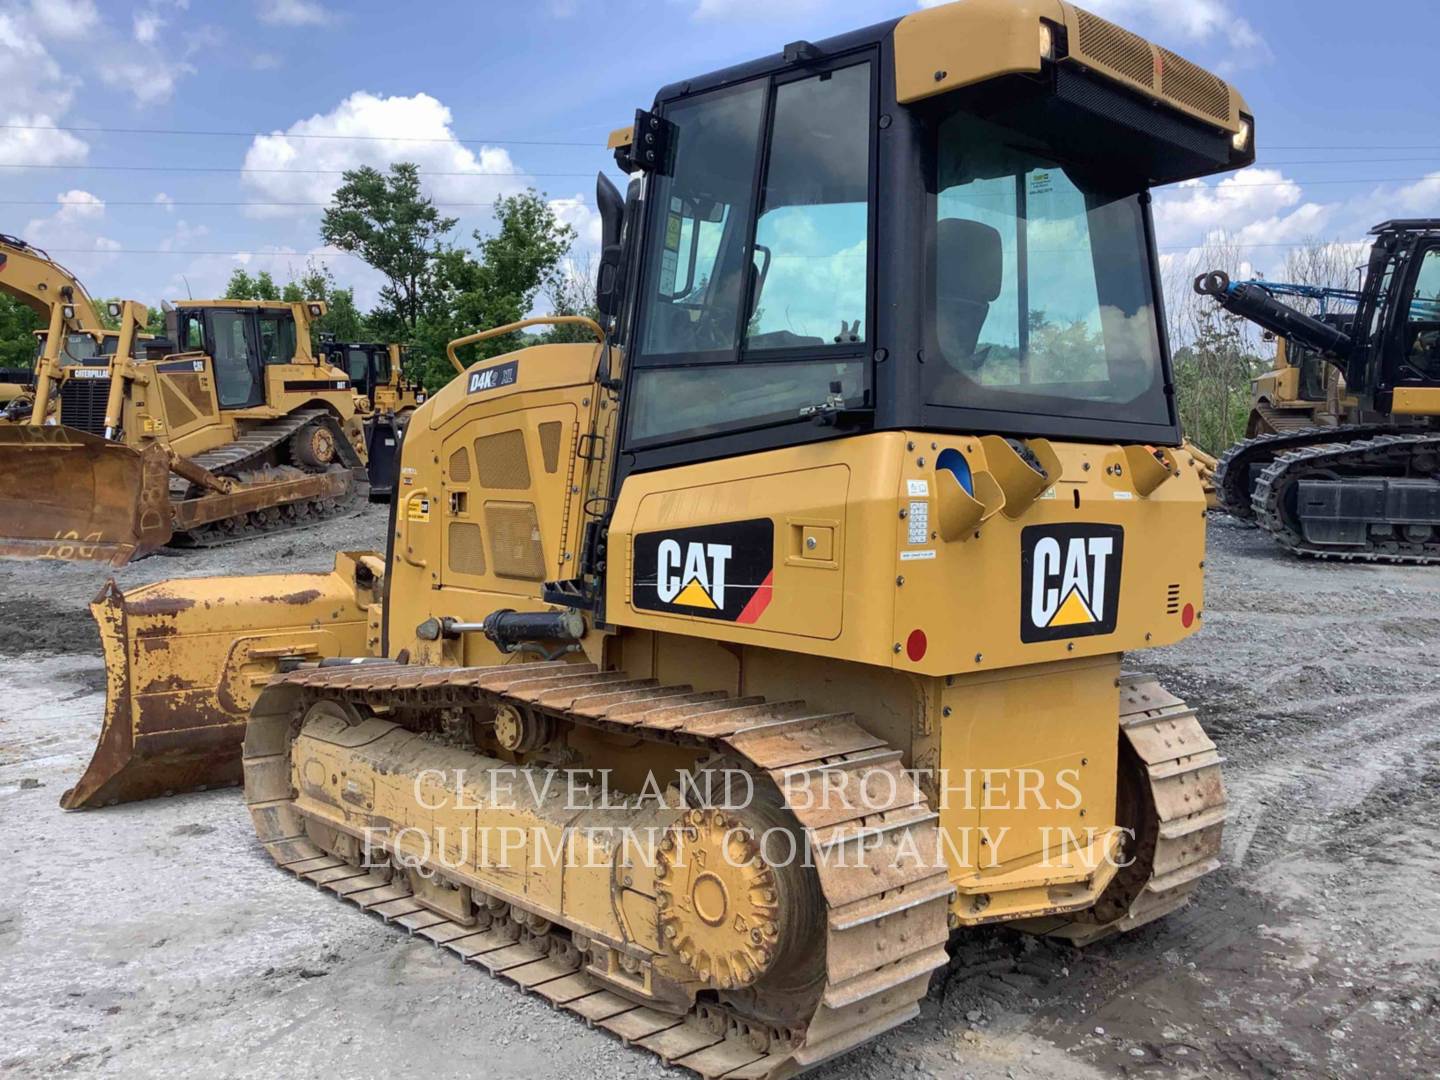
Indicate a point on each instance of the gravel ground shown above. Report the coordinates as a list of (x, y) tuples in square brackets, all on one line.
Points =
[(157, 936)]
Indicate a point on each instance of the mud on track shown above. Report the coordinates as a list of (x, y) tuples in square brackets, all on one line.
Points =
[(157, 935)]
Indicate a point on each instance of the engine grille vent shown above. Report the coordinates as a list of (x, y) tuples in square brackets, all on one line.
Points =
[(550, 444), (501, 461), (82, 404), (1172, 600), (515, 540), (467, 554), (459, 467)]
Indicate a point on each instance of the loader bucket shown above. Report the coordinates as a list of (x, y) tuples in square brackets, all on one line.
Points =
[(67, 494), (186, 658)]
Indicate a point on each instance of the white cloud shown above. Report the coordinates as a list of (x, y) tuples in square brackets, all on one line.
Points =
[(66, 19), (72, 234), (48, 52), (38, 143), (147, 82), (426, 139), (1198, 206), (146, 26), (580, 216), (162, 199), (264, 61), (294, 13)]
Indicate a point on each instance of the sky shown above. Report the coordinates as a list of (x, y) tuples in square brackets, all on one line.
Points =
[(199, 168)]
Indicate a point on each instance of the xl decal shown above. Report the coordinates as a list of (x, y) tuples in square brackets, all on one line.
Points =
[(722, 571), (493, 378), (1069, 580)]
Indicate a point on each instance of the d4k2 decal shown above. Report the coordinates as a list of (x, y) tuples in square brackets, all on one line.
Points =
[(1069, 580), (722, 571)]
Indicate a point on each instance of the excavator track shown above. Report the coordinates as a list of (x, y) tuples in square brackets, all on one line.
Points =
[(1376, 455), (1233, 476), (243, 460), (885, 925)]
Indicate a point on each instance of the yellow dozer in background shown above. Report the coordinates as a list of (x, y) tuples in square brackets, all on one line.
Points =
[(229, 428), (784, 653), (74, 331), (385, 397)]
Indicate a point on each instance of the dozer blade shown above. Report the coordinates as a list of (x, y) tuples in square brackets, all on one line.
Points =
[(67, 494), (185, 659)]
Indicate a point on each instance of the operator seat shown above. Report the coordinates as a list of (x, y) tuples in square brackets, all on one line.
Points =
[(968, 270)]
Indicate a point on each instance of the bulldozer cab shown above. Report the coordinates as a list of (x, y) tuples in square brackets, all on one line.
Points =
[(367, 364), (240, 343), (1006, 280)]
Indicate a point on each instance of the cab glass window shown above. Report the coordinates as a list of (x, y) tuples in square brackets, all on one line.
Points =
[(1422, 325), (1043, 299), (357, 366), (192, 334), (755, 301), (812, 236), (277, 338), (234, 377), (697, 254)]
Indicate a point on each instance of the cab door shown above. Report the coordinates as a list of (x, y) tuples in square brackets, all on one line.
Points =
[(234, 349)]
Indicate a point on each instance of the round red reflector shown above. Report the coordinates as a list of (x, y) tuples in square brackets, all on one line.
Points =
[(915, 645), (1187, 616)]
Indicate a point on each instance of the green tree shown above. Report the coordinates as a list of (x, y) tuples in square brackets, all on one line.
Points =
[(154, 317), (342, 318), (573, 293), (523, 255), (395, 228), (17, 333), (244, 287)]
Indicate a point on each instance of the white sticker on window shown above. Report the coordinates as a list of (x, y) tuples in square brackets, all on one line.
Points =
[(917, 489), (919, 519)]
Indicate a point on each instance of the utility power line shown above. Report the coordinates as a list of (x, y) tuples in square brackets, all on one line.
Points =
[(240, 169), (597, 143)]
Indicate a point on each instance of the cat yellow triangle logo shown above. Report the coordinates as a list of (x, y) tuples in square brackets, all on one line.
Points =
[(694, 595), (1073, 612)]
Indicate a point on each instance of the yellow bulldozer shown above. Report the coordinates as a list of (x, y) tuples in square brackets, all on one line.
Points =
[(74, 331), (719, 670), (227, 428)]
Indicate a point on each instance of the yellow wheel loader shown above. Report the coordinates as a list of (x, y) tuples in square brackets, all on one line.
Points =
[(229, 428), (718, 671), (385, 396), (74, 331)]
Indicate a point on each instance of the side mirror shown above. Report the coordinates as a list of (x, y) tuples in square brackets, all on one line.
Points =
[(611, 205), (608, 287)]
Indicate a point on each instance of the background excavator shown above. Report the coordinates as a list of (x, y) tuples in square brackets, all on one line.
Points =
[(229, 427), (74, 331), (385, 398), (866, 578), (1367, 488)]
